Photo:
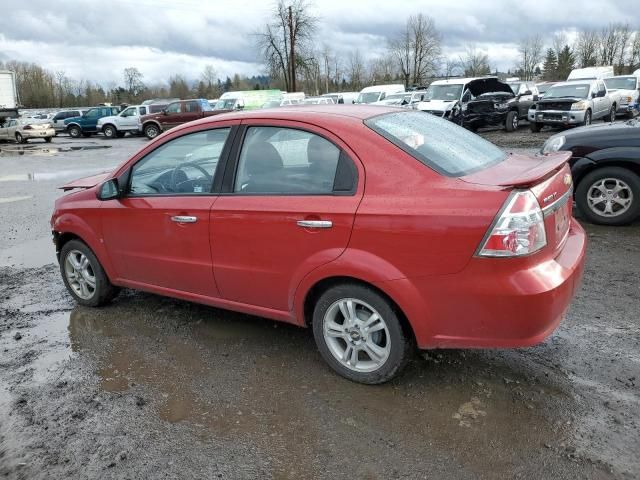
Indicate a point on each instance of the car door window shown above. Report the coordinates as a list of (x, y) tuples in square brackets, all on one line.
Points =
[(287, 161), (129, 112), (191, 107), (173, 108), (182, 166)]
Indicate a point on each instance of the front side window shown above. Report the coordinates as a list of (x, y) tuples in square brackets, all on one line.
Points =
[(440, 144), (182, 166), (173, 108), (128, 112), (286, 161)]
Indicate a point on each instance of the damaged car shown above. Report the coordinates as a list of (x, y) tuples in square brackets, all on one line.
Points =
[(497, 103)]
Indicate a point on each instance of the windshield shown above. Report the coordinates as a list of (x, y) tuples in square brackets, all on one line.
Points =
[(621, 83), (368, 97), (227, 104), (439, 144), (578, 90), (515, 87), (443, 92)]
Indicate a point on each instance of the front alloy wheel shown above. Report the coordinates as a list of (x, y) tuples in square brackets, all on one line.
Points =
[(80, 275), (609, 196), (359, 334)]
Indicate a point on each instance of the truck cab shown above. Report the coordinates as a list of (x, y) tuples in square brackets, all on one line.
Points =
[(87, 124)]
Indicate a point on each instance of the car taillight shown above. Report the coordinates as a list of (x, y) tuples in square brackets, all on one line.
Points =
[(27, 127), (518, 230)]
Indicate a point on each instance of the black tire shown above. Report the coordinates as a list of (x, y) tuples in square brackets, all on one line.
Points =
[(536, 126), (612, 114), (628, 177), (402, 344), (511, 123), (151, 131), (587, 118), (20, 138), (104, 291), (110, 131), (48, 139), (74, 131)]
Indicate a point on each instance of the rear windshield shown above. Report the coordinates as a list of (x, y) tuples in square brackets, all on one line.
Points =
[(442, 145)]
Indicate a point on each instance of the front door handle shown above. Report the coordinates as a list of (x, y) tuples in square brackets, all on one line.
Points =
[(184, 219), (315, 223)]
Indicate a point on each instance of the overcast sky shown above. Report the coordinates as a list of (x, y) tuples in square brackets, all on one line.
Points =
[(97, 40)]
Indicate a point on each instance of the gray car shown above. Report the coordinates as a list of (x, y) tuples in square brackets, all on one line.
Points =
[(57, 122), (578, 102)]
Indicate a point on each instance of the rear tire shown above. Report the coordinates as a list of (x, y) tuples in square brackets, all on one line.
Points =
[(86, 282), (596, 194), (535, 126), (20, 138), (151, 131), (511, 123), (367, 345)]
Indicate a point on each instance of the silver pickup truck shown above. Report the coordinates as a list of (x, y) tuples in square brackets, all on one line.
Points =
[(578, 102)]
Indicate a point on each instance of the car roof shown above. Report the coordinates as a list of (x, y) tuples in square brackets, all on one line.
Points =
[(457, 81)]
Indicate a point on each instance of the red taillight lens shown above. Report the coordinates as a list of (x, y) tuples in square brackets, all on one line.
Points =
[(518, 230), (27, 127)]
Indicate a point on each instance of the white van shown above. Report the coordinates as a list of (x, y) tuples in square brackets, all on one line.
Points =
[(376, 93), (443, 95), (591, 73)]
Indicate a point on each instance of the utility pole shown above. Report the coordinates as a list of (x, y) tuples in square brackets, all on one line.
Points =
[(292, 54)]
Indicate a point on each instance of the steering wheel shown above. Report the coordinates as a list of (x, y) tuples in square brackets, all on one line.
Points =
[(179, 168)]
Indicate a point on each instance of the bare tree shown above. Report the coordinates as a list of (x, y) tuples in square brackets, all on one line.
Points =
[(609, 44), (531, 54), (634, 55), (474, 62), (326, 59), (133, 81), (417, 49), (558, 42), (289, 33), (209, 76), (356, 70), (586, 48), (624, 42), (452, 67)]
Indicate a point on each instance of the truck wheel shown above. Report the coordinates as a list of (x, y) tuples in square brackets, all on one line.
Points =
[(535, 127), (109, 131), (20, 138), (609, 196), (587, 118), (512, 121), (151, 131), (612, 114), (74, 131)]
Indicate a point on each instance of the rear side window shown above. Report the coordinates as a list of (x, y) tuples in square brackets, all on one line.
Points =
[(287, 161), (440, 144)]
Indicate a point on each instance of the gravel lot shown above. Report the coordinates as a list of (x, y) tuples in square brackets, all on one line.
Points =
[(150, 387)]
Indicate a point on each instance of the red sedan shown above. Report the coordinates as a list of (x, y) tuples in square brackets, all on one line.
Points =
[(379, 228)]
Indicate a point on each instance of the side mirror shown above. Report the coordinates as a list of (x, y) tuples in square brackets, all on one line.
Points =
[(536, 98), (528, 92), (164, 112), (594, 94), (602, 93), (109, 190)]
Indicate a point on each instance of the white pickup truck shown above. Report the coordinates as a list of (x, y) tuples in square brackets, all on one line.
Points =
[(126, 121)]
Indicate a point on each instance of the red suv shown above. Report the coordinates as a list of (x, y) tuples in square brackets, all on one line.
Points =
[(380, 228)]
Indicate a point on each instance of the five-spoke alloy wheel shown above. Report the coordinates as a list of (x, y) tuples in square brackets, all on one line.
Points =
[(609, 196)]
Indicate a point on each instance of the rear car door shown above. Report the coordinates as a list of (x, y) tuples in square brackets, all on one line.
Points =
[(289, 200), (158, 233)]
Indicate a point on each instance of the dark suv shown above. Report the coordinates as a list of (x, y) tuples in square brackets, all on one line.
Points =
[(497, 103)]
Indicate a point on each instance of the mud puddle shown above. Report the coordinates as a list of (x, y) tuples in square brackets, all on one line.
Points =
[(40, 150), (32, 254)]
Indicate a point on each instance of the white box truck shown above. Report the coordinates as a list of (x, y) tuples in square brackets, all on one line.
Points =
[(8, 95)]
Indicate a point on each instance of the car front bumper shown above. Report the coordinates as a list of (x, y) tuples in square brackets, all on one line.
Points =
[(495, 302), (485, 118), (558, 117)]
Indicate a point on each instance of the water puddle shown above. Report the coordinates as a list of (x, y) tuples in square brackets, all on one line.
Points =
[(37, 150), (55, 331), (33, 254), (48, 176)]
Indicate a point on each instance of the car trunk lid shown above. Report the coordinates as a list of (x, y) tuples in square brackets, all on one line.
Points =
[(548, 177)]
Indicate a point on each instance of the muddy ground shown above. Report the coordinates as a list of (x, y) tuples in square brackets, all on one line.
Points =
[(150, 387)]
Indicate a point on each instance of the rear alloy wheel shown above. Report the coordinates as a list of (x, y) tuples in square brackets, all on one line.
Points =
[(110, 131), (587, 118), (83, 275), (20, 138), (74, 131), (512, 121), (609, 196), (151, 131), (360, 335)]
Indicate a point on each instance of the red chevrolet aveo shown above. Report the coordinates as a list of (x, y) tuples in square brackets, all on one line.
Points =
[(379, 228)]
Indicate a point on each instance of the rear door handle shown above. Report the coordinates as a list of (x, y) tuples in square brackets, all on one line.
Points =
[(184, 219), (315, 223)]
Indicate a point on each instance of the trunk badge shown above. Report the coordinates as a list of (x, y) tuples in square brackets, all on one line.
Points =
[(567, 179)]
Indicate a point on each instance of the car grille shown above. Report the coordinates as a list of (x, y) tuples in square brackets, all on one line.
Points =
[(480, 107), (552, 116), (555, 106)]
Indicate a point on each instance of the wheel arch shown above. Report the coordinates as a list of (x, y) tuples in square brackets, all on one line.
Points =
[(72, 124), (150, 122), (110, 124), (629, 159)]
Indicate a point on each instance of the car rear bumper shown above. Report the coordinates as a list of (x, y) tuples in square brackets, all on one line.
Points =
[(628, 108), (496, 302), (49, 132)]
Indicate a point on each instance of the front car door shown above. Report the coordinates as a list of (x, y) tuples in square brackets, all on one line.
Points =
[(172, 115), (158, 234), (289, 199), (128, 119)]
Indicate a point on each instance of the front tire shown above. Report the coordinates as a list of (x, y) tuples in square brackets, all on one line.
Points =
[(511, 123), (612, 114), (74, 131), (587, 119), (83, 275), (110, 131), (609, 196), (359, 334)]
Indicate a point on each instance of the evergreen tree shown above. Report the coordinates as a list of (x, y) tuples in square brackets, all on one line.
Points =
[(550, 66), (566, 63)]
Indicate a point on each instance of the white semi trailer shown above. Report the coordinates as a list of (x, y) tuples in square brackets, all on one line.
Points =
[(8, 95)]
